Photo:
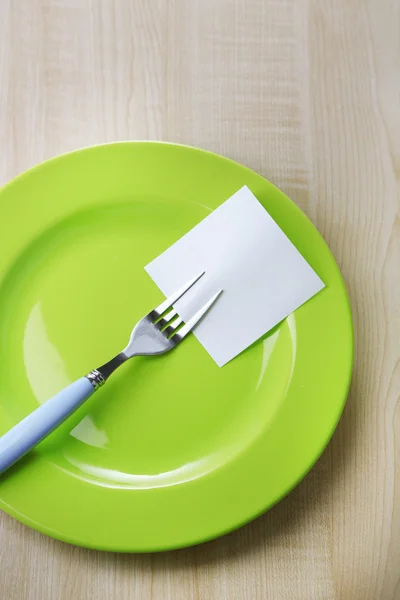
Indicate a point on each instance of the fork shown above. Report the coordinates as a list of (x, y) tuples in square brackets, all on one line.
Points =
[(158, 332)]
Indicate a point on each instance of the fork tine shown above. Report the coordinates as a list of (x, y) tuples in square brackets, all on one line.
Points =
[(166, 319), (195, 319), (157, 312), (172, 328)]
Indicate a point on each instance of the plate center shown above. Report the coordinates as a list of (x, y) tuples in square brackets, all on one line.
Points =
[(69, 303)]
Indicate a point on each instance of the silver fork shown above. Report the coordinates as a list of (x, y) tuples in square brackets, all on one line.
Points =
[(159, 331)]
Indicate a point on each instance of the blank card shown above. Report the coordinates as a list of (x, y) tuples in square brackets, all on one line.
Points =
[(243, 252)]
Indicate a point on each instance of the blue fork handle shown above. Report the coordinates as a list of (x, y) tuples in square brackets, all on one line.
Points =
[(42, 421)]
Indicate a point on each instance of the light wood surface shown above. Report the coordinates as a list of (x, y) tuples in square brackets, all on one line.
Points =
[(306, 92)]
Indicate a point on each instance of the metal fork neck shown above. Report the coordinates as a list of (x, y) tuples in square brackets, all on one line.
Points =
[(99, 376)]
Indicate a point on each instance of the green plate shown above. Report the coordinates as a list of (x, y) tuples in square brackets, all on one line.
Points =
[(174, 450)]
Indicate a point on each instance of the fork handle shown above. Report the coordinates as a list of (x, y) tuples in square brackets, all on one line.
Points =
[(42, 421)]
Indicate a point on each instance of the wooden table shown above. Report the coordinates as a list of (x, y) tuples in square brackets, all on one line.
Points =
[(305, 92)]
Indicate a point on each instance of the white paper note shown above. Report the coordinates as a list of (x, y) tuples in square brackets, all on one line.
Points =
[(243, 252)]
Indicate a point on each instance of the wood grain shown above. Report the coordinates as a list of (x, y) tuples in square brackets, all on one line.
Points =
[(306, 92)]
